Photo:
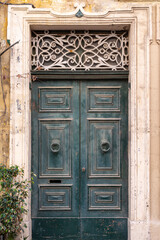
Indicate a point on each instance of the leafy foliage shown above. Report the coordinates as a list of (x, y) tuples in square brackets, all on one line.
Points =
[(14, 189)]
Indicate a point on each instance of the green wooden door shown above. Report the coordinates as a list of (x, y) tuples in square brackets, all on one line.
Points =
[(79, 154)]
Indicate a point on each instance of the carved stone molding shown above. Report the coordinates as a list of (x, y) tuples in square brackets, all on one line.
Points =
[(158, 24), (132, 16)]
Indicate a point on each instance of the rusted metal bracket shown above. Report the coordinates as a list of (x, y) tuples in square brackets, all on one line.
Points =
[(34, 78)]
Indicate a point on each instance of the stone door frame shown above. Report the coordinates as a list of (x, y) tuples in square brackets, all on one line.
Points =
[(136, 18)]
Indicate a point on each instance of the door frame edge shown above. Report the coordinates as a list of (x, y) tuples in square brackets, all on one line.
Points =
[(139, 96)]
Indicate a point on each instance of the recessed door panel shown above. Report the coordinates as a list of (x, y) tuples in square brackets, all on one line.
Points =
[(55, 99), (55, 147), (55, 197), (106, 98), (104, 147), (105, 197)]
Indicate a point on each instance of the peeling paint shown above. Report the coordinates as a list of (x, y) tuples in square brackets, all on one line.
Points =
[(18, 105), (18, 59)]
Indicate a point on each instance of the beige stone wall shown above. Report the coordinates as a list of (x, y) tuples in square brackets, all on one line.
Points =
[(155, 134)]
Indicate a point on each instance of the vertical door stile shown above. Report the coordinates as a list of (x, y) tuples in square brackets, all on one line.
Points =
[(80, 159)]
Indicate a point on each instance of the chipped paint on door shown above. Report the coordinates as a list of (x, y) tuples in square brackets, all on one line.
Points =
[(79, 153)]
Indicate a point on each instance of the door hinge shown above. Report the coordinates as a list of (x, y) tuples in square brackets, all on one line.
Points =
[(30, 85), (129, 85)]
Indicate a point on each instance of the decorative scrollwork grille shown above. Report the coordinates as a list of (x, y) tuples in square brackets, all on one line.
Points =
[(80, 50)]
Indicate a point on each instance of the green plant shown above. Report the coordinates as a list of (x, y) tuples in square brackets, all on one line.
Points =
[(14, 189)]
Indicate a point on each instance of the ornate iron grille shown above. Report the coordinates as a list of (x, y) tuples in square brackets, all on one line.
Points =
[(80, 50)]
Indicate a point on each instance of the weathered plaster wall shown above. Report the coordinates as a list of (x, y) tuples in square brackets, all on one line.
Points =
[(68, 5), (4, 89)]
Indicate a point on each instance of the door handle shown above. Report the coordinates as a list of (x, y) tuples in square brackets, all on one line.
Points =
[(105, 146), (55, 145)]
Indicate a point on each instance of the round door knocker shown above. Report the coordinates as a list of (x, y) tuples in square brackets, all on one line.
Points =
[(105, 146), (55, 146)]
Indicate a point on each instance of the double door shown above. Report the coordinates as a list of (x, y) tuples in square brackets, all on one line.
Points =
[(79, 156)]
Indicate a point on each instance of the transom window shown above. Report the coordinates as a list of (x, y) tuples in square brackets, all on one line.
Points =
[(79, 50)]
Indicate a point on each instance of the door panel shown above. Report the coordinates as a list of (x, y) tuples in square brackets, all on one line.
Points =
[(103, 99), (79, 154), (55, 99), (55, 149), (55, 197), (104, 149), (104, 229), (56, 229)]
